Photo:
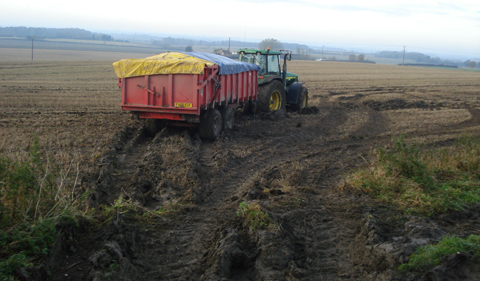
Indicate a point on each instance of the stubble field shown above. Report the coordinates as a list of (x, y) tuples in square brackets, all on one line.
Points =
[(292, 168)]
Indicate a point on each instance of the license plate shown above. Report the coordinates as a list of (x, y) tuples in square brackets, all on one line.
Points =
[(183, 104)]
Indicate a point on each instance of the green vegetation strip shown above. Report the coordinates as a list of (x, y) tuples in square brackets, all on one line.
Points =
[(34, 197), (424, 180), (23, 244), (427, 257)]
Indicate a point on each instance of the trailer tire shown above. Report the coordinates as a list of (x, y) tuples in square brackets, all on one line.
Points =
[(302, 100), (271, 97), (228, 117), (210, 124), (153, 126), (248, 107)]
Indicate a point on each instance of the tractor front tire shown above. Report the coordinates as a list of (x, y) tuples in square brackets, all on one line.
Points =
[(271, 97), (228, 117), (210, 124), (302, 100)]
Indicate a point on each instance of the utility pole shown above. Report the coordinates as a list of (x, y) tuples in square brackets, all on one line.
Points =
[(403, 63), (32, 47)]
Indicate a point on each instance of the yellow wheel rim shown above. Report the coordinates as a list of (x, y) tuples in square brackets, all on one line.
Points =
[(304, 101), (275, 101)]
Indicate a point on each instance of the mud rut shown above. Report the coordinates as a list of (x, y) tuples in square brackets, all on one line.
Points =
[(200, 186)]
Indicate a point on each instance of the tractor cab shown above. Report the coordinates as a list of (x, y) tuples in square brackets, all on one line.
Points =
[(277, 88), (269, 63)]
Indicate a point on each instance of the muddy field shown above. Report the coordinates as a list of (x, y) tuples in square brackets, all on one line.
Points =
[(292, 165)]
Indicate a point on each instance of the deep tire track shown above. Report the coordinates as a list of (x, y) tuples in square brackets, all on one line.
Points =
[(201, 185)]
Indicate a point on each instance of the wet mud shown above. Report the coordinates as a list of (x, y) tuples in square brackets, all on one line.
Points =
[(292, 165)]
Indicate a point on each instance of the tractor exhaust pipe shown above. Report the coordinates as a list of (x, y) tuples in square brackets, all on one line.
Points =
[(288, 55)]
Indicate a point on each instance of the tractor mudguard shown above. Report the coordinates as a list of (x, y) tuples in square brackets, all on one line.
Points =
[(293, 91)]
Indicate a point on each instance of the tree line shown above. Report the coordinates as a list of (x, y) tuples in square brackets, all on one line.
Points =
[(52, 33), (167, 42), (425, 59)]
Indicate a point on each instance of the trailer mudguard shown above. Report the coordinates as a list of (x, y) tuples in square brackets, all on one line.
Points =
[(293, 91)]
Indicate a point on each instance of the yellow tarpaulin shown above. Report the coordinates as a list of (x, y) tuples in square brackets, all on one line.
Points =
[(165, 63)]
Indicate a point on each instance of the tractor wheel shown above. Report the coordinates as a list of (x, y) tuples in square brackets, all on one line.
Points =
[(271, 97), (228, 117), (210, 124), (302, 101)]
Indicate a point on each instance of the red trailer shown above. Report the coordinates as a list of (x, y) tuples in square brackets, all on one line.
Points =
[(203, 97)]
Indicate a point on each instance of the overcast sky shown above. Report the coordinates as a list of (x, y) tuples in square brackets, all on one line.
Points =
[(424, 26)]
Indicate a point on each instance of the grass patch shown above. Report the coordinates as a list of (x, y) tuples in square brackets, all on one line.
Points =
[(427, 257), (254, 218), (24, 244), (34, 196), (134, 210), (424, 180)]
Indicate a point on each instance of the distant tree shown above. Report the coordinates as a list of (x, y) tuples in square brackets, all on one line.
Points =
[(352, 57), (106, 37), (188, 49), (164, 44), (274, 44), (361, 58), (472, 64), (33, 37), (467, 63)]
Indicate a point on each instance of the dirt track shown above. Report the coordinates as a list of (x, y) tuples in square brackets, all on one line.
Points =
[(292, 165)]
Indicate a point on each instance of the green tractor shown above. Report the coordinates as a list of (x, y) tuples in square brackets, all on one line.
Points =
[(277, 88)]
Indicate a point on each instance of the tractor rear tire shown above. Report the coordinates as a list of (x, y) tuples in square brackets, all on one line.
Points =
[(210, 124), (228, 117), (271, 97), (302, 100)]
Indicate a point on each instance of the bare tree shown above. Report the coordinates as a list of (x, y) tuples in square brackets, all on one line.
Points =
[(274, 44), (361, 58), (472, 64), (352, 57)]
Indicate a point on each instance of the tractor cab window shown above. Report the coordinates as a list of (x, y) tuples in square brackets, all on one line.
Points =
[(273, 64), (247, 58), (256, 59), (260, 60)]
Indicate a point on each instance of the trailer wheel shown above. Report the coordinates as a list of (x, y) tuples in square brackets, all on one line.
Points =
[(248, 107), (302, 100), (228, 117), (210, 124), (153, 126), (271, 97)]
